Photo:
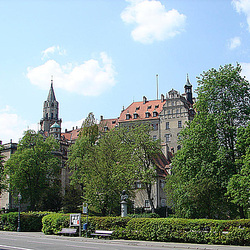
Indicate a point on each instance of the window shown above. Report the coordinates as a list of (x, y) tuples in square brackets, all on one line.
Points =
[(167, 137), (179, 124), (162, 183), (167, 125), (155, 113), (154, 137), (135, 115), (113, 122), (147, 114), (147, 203), (156, 106), (137, 184), (155, 126), (106, 128), (149, 107), (51, 115), (127, 116)]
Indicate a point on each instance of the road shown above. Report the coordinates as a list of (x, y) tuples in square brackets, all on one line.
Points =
[(34, 241)]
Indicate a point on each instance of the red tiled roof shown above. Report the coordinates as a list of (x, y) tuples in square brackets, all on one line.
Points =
[(109, 123), (70, 135), (141, 108)]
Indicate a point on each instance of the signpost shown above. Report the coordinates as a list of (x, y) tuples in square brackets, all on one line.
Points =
[(85, 211), (75, 221)]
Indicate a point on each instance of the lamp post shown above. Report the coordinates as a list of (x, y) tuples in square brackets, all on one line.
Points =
[(19, 196)]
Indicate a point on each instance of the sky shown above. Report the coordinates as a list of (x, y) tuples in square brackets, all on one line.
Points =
[(105, 54)]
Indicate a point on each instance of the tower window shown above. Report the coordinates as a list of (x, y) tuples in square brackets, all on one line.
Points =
[(167, 125), (52, 116)]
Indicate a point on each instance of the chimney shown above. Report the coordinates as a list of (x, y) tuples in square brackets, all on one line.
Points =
[(66, 130), (1, 142), (144, 99), (73, 128), (162, 98), (101, 117), (10, 140), (76, 127)]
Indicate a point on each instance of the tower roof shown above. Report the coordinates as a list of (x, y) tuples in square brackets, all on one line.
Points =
[(51, 95), (188, 82), (55, 125)]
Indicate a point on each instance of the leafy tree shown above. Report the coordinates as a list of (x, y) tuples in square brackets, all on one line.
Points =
[(208, 155), (104, 170), (238, 188), (144, 152), (33, 170)]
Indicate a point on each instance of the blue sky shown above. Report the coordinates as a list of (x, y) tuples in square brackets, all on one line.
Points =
[(103, 54)]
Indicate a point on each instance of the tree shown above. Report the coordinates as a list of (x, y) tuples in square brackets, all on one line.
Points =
[(102, 169), (238, 188), (208, 155), (144, 152), (33, 170)]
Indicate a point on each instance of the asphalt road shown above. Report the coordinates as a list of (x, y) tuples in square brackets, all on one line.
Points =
[(33, 241)]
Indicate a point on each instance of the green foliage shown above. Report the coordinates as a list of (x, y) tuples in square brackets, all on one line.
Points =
[(238, 187), (192, 231), (34, 170), (229, 232), (54, 222), (30, 222), (208, 158), (144, 215), (72, 200)]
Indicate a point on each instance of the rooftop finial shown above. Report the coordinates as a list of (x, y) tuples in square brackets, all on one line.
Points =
[(188, 82), (51, 80)]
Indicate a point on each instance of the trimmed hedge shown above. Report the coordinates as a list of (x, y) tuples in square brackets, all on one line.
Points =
[(230, 232), (30, 222), (234, 232)]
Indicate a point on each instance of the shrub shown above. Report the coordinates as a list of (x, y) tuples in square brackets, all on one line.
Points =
[(30, 222)]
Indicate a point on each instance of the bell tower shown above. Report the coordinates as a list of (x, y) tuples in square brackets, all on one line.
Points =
[(50, 112), (188, 91)]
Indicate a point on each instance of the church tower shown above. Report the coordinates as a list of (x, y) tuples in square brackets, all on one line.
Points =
[(188, 91), (50, 112)]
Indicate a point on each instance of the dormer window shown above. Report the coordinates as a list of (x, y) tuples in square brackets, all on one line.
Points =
[(156, 106), (147, 114), (127, 116), (135, 115), (106, 128), (137, 108), (113, 122), (149, 107), (155, 113)]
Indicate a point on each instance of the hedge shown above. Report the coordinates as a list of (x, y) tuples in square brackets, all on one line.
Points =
[(229, 232), (29, 222)]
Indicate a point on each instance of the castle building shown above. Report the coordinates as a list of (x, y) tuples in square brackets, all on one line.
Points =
[(167, 116)]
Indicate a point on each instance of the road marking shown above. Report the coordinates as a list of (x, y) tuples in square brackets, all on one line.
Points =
[(19, 248)]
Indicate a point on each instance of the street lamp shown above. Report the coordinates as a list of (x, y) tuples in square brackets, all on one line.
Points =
[(124, 197), (19, 196)]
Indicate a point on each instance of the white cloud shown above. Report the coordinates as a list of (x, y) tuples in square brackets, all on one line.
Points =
[(243, 6), (245, 70), (12, 126), (91, 78), (234, 43), (52, 50), (153, 22)]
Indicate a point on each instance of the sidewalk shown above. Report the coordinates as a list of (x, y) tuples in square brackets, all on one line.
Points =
[(140, 244)]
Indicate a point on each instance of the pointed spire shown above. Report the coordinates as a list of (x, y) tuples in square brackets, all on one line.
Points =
[(188, 82), (51, 95)]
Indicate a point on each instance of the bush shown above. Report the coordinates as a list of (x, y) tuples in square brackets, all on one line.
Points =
[(235, 232), (30, 222)]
